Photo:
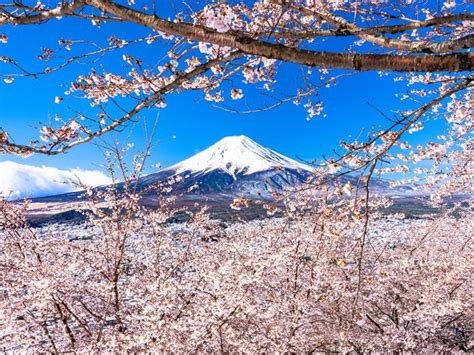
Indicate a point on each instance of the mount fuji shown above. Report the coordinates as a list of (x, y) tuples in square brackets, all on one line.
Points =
[(237, 155), (235, 166)]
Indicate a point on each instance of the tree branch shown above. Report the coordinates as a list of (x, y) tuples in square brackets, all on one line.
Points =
[(382, 62), (62, 9), (9, 147)]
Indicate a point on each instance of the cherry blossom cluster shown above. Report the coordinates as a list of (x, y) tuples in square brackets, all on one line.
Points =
[(128, 280)]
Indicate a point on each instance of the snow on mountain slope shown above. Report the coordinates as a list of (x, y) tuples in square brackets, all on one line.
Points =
[(236, 155)]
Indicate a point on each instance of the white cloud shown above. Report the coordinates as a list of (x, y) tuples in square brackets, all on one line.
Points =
[(21, 180)]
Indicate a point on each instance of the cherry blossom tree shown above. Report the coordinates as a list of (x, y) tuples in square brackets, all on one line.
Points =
[(128, 281), (213, 42), (335, 273)]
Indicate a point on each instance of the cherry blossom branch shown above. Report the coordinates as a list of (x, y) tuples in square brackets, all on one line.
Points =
[(346, 27), (6, 146), (63, 9), (455, 62), (70, 60)]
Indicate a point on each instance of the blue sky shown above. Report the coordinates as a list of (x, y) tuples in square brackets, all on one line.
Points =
[(194, 122)]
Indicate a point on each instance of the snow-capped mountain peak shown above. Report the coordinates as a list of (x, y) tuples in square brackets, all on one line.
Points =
[(237, 155)]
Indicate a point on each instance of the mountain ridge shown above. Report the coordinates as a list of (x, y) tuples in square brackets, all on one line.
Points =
[(235, 166), (236, 155)]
